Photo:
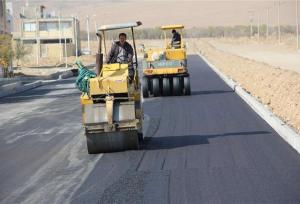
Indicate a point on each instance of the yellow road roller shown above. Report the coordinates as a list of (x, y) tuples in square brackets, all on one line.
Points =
[(111, 109), (165, 70)]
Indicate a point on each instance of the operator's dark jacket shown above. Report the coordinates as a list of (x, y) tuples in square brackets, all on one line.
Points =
[(114, 51), (176, 38)]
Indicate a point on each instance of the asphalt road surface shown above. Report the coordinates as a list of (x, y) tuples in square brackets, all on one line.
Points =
[(209, 147)]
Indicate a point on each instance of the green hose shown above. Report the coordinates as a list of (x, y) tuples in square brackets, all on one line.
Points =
[(84, 75)]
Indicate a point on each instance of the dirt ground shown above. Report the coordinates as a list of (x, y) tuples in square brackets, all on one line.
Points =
[(277, 88), (283, 55)]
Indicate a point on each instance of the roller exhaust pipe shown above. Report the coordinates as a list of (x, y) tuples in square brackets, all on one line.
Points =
[(99, 56)]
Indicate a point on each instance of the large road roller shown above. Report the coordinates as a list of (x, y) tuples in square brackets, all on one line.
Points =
[(111, 109), (165, 70)]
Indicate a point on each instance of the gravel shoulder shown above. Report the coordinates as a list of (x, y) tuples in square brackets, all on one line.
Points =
[(280, 56)]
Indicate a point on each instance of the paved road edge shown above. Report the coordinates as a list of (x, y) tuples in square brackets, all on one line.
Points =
[(285, 131), (18, 88)]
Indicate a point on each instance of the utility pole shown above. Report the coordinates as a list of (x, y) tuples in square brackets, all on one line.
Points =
[(36, 38), (88, 32), (66, 53), (251, 22), (76, 43), (258, 26), (60, 47), (278, 22), (268, 14), (96, 26), (297, 24), (275, 16)]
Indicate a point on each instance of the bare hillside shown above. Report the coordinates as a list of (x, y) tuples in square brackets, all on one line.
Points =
[(156, 13)]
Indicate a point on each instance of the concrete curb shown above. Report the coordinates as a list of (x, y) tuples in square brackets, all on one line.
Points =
[(4, 81), (14, 88), (30, 86), (285, 131), (10, 87), (19, 88), (65, 74)]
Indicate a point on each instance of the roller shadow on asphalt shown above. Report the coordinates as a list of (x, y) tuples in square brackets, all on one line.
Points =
[(170, 142)]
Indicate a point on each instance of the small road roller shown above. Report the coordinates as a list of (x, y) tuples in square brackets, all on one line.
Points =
[(111, 109), (165, 70)]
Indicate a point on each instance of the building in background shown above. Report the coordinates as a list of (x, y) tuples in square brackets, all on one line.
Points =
[(2, 17), (9, 17), (6, 17), (4, 23), (47, 35)]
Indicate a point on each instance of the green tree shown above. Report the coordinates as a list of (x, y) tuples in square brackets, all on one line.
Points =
[(6, 53), (20, 51)]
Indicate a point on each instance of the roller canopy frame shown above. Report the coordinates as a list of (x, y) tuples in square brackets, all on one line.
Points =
[(101, 35), (119, 26), (169, 27)]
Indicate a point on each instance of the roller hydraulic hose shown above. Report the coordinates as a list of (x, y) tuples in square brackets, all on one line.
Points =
[(84, 75)]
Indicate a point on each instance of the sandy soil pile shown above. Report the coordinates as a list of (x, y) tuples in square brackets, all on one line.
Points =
[(278, 89)]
